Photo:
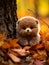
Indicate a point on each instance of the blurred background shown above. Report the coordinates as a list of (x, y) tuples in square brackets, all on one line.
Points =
[(33, 8)]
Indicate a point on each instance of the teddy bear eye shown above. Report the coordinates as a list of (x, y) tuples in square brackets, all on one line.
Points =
[(31, 27), (24, 28)]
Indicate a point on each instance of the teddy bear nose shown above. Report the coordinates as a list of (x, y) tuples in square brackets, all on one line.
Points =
[(27, 30)]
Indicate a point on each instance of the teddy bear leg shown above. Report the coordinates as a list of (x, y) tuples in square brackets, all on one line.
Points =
[(34, 41), (23, 42)]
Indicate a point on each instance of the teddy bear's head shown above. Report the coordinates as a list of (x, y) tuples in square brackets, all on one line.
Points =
[(27, 26)]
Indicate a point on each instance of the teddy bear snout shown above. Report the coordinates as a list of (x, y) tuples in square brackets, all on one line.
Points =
[(28, 30)]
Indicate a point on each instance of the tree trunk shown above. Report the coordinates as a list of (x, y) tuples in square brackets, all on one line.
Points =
[(8, 17)]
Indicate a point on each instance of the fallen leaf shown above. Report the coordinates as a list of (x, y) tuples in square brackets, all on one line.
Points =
[(21, 52), (14, 58)]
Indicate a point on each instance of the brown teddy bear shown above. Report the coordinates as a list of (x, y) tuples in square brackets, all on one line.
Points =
[(28, 30)]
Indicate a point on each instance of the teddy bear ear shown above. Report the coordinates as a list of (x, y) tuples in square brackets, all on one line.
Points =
[(17, 22), (37, 21), (16, 25)]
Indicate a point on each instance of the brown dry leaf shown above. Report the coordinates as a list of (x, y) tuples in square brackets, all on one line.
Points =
[(6, 45), (48, 61), (11, 63), (40, 55), (26, 48), (16, 54), (3, 37), (14, 58), (37, 46), (11, 40), (21, 52), (37, 62), (47, 45), (14, 43), (1, 43)]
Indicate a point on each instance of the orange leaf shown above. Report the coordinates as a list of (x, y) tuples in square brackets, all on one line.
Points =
[(13, 43), (36, 47), (39, 46), (5, 45)]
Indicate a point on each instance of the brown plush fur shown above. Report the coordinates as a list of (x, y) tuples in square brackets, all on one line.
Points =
[(28, 30)]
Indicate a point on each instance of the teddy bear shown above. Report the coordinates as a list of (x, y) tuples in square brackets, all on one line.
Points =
[(28, 29)]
